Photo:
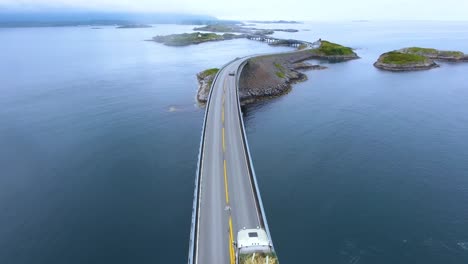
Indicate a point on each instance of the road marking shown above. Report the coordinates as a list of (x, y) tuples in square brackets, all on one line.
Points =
[(224, 146), (226, 183), (231, 240), (222, 114)]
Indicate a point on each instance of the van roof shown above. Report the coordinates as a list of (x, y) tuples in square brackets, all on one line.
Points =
[(252, 237)]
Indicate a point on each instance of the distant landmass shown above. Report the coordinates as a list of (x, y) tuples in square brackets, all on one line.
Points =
[(134, 26), (71, 18), (274, 22)]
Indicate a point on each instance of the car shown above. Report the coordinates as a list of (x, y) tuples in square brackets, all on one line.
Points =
[(232, 73)]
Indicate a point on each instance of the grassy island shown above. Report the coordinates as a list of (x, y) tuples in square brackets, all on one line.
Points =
[(435, 54), (417, 58), (332, 49), (192, 38), (399, 58), (401, 61), (221, 28)]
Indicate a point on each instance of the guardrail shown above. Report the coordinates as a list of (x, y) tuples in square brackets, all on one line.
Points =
[(253, 177)]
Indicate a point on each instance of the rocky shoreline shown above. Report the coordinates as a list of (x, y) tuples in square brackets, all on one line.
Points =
[(205, 79), (273, 75)]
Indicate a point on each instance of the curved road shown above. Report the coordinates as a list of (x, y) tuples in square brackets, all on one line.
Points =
[(227, 202)]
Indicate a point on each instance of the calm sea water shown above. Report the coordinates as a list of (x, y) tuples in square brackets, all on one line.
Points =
[(99, 136)]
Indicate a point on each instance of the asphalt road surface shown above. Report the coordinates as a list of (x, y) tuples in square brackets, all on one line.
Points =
[(227, 202)]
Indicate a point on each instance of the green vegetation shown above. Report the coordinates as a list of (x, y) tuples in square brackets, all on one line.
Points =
[(222, 28), (455, 54), (302, 46), (399, 58), (258, 258), (280, 74), (433, 53), (281, 71), (422, 50), (332, 49), (279, 66), (210, 71), (219, 28), (187, 38)]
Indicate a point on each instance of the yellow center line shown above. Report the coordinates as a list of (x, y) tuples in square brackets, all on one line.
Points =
[(222, 115), (231, 236), (226, 183), (224, 146), (231, 240)]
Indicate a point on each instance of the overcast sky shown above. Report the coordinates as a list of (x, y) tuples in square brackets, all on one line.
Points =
[(269, 9)]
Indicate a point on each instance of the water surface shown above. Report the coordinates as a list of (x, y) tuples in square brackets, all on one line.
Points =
[(100, 134)]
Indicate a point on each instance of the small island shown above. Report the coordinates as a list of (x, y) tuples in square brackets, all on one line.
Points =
[(273, 75), (234, 28), (399, 61), (416, 59), (193, 38), (332, 52)]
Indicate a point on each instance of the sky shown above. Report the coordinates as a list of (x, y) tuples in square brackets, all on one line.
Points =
[(304, 10)]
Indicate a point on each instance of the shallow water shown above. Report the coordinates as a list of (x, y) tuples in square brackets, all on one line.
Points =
[(100, 134)]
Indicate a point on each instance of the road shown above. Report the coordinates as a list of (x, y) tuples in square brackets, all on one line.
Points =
[(227, 202)]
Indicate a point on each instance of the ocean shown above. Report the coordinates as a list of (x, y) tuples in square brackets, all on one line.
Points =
[(100, 132)]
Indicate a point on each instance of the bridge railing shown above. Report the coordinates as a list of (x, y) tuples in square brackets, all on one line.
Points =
[(253, 177)]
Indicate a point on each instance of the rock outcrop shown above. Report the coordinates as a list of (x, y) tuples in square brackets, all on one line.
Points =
[(205, 79)]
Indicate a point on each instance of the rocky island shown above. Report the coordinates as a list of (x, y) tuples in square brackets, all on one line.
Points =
[(416, 58), (272, 75), (399, 61)]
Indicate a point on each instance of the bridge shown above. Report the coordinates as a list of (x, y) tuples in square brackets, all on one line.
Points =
[(226, 197), (282, 42)]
